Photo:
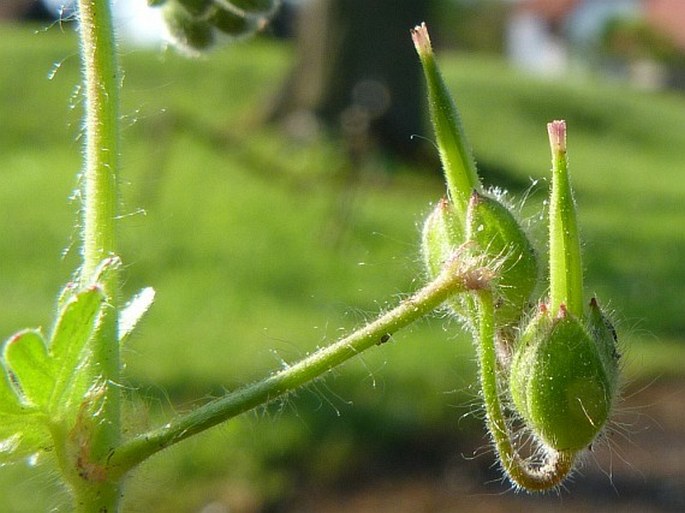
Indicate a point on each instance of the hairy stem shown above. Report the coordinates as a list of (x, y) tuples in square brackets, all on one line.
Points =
[(524, 473), (100, 176), (448, 283), (96, 492)]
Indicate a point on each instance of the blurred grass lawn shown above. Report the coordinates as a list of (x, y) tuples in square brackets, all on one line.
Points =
[(260, 252)]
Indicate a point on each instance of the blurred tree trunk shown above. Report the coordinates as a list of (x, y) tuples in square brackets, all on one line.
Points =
[(357, 74)]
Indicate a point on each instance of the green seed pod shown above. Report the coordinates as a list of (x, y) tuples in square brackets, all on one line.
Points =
[(497, 239), (564, 377), (499, 236), (187, 31), (442, 237)]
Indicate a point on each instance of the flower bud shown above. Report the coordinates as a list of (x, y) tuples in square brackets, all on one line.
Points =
[(564, 377)]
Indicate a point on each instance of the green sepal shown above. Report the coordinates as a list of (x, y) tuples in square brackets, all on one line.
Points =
[(499, 236), (75, 325), (26, 357), (559, 382), (607, 342)]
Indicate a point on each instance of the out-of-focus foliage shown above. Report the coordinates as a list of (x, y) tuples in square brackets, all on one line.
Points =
[(632, 39), (477, 26)]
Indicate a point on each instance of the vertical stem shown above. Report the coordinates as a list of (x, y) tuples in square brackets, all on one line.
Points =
[(565, 265), (101, 78)]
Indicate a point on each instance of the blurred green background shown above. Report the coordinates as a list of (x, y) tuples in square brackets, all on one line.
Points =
[(261, 249)]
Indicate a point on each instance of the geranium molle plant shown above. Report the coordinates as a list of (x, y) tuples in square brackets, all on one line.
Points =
[(553, 368)]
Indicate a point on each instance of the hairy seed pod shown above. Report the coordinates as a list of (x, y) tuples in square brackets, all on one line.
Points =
[(442, 234), (492, 236), (442, 240), (499, 236), (563, 377)]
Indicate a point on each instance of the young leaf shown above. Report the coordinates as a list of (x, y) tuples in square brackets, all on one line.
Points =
[(22, 436), (22, 428), (134, 311), (75, 325), (9, 400), (26, 356)]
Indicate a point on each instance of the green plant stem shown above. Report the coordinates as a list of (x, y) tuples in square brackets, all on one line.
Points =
[(100, 177), (98, 493), (556, 464), (565, 265), (448, 283)]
